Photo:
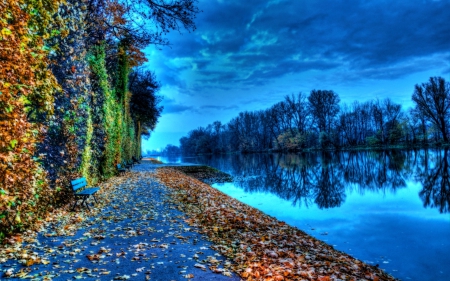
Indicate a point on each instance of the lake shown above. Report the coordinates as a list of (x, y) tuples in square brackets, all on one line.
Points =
[(386, 208)]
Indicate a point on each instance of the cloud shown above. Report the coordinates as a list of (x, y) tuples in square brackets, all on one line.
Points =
[(243, 44), (252, 43), (219, 107), (170, 106)]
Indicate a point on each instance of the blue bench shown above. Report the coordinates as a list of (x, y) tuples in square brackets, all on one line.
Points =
[(128, 164), (82, 192), (121, 169)]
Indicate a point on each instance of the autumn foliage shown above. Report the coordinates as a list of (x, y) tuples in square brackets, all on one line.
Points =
[(65, 107), (262, 247), (26, 89)]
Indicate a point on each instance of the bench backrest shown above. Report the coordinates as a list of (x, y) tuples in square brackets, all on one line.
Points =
[(78, 183)]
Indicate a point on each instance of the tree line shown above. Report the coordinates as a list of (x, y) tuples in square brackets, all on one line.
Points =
[(325, 177), (319, 121)]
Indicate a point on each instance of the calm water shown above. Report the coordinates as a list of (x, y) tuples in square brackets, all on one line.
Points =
[(388, 208)]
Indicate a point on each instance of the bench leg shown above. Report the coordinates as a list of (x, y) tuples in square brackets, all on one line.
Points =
[(74, 205), (85, 203)]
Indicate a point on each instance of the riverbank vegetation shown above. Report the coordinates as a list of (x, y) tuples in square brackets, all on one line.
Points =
[(73, 98), (319, 121)]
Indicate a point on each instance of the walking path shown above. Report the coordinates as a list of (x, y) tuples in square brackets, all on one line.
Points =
[(138, 234)]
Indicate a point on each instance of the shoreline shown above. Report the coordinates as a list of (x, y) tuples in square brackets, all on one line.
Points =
[(262, 246), (341, 149)]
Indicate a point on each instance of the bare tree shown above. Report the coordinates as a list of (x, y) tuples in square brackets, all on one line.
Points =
[(433, 101), (298, 111), (324, 106), (393, 116)]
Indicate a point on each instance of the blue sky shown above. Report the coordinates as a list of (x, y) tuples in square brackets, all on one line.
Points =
[(248, 55)]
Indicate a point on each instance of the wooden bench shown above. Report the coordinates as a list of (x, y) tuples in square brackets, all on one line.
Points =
[(121, 169), (128, 164), (81, 191)]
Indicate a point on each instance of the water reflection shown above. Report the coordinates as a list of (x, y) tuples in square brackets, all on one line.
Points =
[(324, 178), (435, 180)]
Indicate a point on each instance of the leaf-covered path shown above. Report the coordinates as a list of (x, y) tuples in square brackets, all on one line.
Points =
[(157, 226), (262, 247), (135, 233)]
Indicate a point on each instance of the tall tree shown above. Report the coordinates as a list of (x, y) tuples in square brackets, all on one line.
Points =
[(144, 101), (433, 101), (298, 111), (324, 106)]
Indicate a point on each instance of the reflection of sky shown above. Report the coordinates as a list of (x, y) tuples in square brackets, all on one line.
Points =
[(393, 230)]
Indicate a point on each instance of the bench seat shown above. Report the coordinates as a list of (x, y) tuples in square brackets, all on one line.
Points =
[(121, 169), (88, 191), (82, 192)]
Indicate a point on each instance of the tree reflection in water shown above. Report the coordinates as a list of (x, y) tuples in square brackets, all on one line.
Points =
[(435, 180), (323, 178)]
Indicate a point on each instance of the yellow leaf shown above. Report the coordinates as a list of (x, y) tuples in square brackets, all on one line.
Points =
[(6, 31), (30, 262)]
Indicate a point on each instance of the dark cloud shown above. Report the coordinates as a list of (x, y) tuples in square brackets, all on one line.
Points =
[(251, 43), (286, 67), (320, 34)]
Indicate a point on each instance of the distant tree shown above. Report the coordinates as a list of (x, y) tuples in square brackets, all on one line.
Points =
[(217, 130), (433, 101), (144, 102), (354, 123), (423, 124), (297, 110), (378, 115), (198, 141), (291, 141), (171, 149), (393, 125), (324, 106), (185, 146)]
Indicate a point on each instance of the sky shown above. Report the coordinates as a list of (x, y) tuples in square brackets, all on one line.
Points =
[(248, 55)]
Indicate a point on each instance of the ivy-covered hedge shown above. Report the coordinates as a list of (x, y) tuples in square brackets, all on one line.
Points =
[(27, 89), (62, 115)]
